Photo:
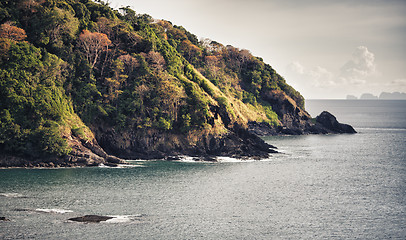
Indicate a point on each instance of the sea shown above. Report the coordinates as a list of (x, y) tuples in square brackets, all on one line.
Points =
[(348, 186)]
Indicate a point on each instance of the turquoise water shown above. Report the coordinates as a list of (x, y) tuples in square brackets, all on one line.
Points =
[(320, 187)]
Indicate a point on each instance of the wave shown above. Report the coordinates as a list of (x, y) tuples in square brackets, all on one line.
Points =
[(233, 160), (123, 218), (53, 210), (219, 159), (101, 165), (136, 160), (186, 159), (12, 195)]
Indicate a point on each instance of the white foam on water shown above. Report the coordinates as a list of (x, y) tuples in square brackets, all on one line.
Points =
[(186, 159), (122, 218), (101, 165), (11, 195), (233, 160), (129, 166), (53, 210), (219, 159)]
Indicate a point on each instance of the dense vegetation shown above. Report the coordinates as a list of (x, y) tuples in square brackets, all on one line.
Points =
[(60, 59)]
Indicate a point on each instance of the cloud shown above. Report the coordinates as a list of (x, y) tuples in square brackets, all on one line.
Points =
[(316, 77), (359, 68), (356, 71), (351, 77), (397, 85), (399, 82)]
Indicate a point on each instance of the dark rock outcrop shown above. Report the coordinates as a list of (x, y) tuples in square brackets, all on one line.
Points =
[(328, 121), (325, 123), (294, 120), (91, 219), (83, 153), (154, 144), (4, 219), (292, 117)]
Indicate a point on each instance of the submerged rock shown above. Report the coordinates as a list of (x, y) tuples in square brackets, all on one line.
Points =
[(330, 122), (91, 219), (4, 219)]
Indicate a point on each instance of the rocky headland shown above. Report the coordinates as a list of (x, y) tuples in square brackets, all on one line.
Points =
[(147, 90)]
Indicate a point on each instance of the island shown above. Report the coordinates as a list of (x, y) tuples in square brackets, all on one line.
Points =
[(382, 96)]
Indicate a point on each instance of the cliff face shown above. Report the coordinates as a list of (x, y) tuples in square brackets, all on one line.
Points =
[(290, 114), (153, 144)]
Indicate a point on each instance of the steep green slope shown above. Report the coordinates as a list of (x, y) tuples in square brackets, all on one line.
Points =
[(76, 71)]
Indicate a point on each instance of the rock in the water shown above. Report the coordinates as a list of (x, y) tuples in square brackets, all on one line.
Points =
[(172, 158), (330, 122), (91, 219), (4, 219)]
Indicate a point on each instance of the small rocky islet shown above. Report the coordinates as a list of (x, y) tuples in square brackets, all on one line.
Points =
[(90, 219)]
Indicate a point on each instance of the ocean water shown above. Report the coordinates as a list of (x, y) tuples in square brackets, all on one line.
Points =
[(319, 187)]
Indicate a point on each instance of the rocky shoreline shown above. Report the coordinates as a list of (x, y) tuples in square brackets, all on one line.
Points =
[(239, 143), (83, 154)]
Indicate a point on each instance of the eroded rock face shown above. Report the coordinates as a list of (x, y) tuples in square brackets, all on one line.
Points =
[(154, 144), (83, 153), (291, 116)]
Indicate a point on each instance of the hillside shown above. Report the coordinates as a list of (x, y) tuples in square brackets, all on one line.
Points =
[(81, 83)]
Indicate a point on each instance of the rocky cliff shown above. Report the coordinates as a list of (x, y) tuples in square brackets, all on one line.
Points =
[(296, 121)]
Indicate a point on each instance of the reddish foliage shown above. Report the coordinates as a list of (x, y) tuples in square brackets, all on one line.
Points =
[(7, 30), (93, 44)]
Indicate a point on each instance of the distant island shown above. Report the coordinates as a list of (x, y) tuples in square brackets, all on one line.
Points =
[(382, 96)]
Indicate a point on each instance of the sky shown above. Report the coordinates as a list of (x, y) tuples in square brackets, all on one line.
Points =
[(325, 49)]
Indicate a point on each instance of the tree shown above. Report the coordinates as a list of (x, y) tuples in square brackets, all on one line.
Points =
[(130, 63), (7, 30), (93, 44), (211, 63), (105, 26), (155, 59), (129, 15), (190, 51), (62, 26), (170, 95), (211, 46), (114, 83), (31, 4)]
